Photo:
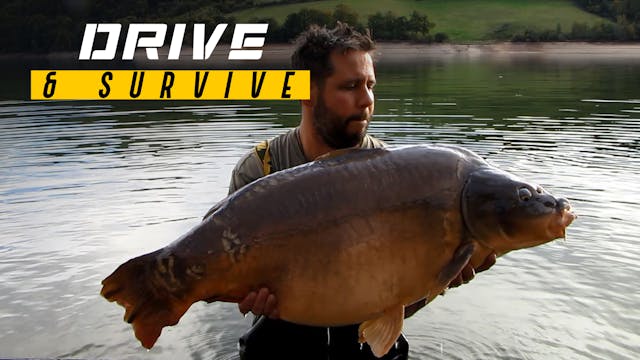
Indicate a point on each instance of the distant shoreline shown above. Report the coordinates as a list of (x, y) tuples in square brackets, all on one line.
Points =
[(385, 52), (550, 50)]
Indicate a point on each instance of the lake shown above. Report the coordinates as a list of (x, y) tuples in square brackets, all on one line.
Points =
[(85, 186)]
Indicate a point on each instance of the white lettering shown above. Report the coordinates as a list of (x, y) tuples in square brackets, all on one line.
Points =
[(151, 44), (239, 41), (202, 51), (152, 36), (109, 52), (176, 41)]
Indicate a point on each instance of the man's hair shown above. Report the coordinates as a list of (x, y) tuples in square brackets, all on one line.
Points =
[(314, 48)]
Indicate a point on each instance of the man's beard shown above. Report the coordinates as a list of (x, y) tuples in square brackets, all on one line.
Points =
[(333, 129)]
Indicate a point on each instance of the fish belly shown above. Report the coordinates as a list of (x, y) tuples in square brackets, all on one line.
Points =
[(351, 271)]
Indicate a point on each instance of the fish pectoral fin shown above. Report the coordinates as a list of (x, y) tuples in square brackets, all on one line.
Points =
[(460, 260), (382, 332)]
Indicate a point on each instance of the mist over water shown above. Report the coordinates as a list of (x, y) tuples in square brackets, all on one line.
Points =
[(84, 186)]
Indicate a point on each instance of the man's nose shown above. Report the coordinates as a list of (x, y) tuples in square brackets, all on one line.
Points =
[(365, 97)]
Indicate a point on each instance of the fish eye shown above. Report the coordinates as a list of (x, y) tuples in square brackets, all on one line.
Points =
[(524, 194)]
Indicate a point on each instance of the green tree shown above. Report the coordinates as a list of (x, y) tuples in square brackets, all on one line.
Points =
[(275, 33), (580, 31), (345, 14), (298, 22), (382, 25), (388, 26), (419, 25)]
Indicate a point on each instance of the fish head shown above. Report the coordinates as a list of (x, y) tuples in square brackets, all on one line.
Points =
[(507, 213)]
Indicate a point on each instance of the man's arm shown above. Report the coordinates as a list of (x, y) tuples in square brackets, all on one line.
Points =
[(248, 169)]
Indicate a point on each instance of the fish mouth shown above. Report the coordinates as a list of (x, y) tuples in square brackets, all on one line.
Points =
[(565, 217)]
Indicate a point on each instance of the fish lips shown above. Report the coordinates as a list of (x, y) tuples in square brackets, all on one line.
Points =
[(565, 216), (558, 211)]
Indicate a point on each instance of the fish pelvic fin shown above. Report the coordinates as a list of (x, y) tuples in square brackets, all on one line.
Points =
[(460, 259), (382, 332), (148, 307)]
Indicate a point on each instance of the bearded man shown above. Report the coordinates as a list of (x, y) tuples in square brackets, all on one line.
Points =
[(336, 116)]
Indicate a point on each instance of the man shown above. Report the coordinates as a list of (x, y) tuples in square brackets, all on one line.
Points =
[(335, 117)]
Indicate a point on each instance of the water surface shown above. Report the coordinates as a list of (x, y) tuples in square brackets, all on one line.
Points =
[(85, 186)]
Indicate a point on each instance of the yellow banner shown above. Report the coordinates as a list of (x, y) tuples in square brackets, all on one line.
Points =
[(170, 84)]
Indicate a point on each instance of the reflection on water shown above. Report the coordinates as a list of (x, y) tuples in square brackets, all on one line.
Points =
[(85, 186)]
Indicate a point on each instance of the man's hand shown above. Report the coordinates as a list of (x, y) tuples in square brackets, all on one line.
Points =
[(260, 303), (468, 272)]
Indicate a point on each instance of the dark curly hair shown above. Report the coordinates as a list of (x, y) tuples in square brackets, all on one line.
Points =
[(314, 48)]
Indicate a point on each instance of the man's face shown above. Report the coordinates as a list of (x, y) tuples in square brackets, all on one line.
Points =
[(343, 106)]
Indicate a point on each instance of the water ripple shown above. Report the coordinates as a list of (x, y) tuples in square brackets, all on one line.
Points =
[(85, 187)]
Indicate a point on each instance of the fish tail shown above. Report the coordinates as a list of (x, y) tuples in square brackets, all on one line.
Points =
[(148, 307)]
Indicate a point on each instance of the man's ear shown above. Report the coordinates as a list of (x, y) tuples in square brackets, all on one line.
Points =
[(313, 95)]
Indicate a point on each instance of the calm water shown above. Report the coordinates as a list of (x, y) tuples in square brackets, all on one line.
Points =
[(86, 186)]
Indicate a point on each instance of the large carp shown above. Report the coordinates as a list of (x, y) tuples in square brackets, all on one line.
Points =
[(347, 239)]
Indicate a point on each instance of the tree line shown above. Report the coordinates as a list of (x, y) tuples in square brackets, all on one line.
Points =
[(577, 32), (383, 26), (625, 14), (58, 25), (624, 25)]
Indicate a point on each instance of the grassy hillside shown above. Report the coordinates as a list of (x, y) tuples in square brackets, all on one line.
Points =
[(462, 20)]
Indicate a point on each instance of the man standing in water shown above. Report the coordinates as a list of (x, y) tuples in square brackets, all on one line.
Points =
[(335, 117)]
